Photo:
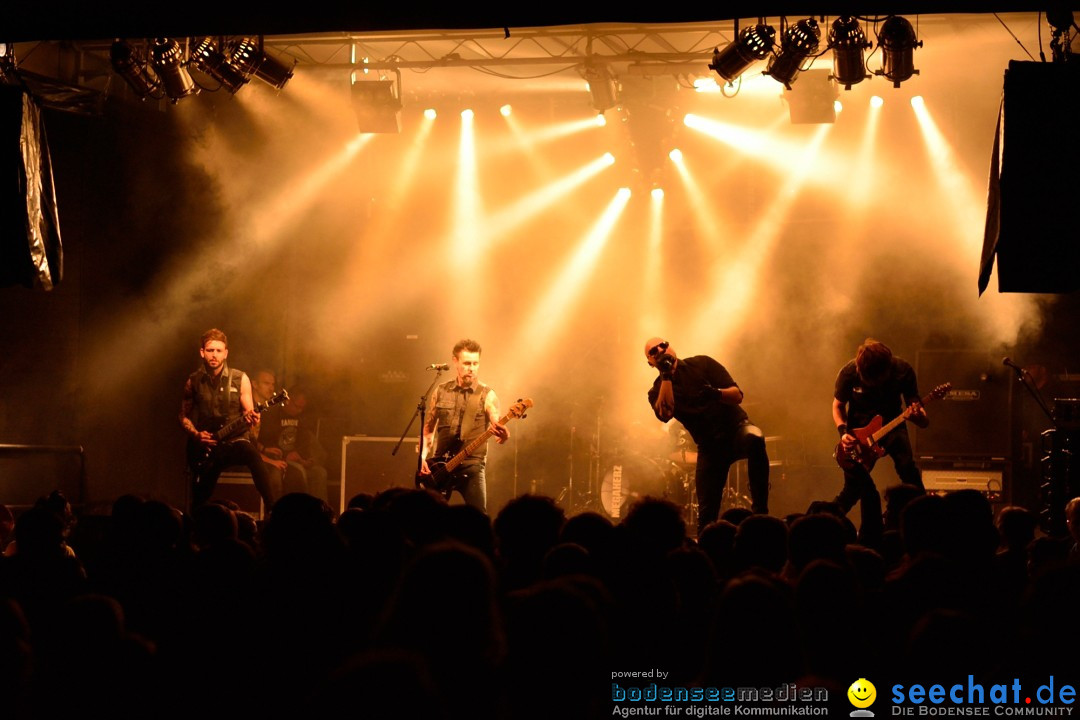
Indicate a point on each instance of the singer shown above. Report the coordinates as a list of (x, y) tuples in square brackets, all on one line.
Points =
[(700, 393), (458, 412)]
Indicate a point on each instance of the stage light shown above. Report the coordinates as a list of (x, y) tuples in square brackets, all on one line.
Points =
[(430, 114), (131, 65), (208, 58), (897, 42), (814, 100), (248, 56), (917, 102), (506, 110), (799, 42), (602, 85), (377, 104), (601, 121), (467, 114), (876, 101), (848, 41), (752, 44), (167, 59)]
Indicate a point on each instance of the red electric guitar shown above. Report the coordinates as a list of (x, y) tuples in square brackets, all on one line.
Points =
[(866, 451)]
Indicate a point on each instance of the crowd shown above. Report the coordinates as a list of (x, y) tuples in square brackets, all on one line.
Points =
[(406, 606)]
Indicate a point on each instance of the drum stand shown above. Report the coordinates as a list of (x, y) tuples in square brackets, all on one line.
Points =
[(691, 506), (734, 495), (587, 499), (592, 491)]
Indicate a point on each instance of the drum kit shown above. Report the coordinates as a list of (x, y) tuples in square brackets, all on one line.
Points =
[(647, 470)]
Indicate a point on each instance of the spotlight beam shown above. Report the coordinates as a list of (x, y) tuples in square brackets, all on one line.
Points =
[(765, 146), (968, 209), (499, 225), (736, 278), (550, 311)]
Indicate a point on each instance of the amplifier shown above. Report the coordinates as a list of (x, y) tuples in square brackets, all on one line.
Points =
[(368, 466), (988, 482)]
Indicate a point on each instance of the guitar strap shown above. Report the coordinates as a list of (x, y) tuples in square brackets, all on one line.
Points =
[(473, 403)]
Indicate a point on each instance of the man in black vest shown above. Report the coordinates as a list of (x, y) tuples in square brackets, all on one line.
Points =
[(458, 412), (216, 398), (700, 393)]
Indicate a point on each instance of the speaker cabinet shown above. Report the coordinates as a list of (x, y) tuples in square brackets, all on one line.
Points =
[(30, 472), (973, 419), (367, 465)]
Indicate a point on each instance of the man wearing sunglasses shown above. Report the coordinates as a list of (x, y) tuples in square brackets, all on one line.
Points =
[(700, 393)]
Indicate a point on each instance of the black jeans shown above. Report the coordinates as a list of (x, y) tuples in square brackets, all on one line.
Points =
[(470, 480), (859, 485), (714, 461), (237, 452)]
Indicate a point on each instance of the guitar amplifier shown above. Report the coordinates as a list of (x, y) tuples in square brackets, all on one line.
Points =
[(368, 465), (988, 482)]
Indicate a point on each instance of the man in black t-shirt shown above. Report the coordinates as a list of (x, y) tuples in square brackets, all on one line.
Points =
[(875, 383), (700, 393)]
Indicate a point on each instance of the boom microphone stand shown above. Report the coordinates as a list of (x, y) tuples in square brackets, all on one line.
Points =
[(1055, 464), (419, 412)]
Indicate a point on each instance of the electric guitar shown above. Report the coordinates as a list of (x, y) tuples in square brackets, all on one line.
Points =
[(866, 451), (201, 457), (442, 467)]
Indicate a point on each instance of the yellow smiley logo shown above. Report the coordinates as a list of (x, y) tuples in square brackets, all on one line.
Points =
[(862, 693)]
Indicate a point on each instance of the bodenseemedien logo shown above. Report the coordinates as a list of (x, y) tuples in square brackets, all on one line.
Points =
[(660, 698), (862, 694)]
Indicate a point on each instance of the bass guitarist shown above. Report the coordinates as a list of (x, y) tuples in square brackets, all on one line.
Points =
[(459, 411), (216, 396), (875, 383)]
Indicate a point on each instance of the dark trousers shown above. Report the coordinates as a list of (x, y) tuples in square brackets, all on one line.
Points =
[(237, 452), (469, 480), (859, 485), (714, 461)]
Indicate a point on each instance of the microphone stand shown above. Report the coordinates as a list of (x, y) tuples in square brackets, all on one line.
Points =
[(1022, 375), (419, 412), (1055, 467)]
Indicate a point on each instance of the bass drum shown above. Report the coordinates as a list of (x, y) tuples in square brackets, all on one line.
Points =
[(630, 480)]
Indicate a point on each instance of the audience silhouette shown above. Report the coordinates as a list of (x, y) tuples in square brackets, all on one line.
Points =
[(406, 606)]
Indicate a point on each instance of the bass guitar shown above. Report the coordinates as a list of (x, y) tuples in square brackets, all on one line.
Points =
[(201, 457), (442, 466), (866, 451)]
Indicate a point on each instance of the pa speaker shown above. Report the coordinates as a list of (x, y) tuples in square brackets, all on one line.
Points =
[(1038, 184)]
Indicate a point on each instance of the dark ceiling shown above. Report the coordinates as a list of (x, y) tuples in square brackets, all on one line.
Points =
[(46, 21)]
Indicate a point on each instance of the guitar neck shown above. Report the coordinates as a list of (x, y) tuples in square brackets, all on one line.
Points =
[(898, 420), (229, 429), (236, 424), (475, 443)]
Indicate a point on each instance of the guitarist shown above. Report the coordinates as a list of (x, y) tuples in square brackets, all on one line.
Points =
[(214, 395), (875, 383), (458, 411)]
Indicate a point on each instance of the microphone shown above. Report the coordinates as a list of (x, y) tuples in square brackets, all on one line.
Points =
[(438, 366), (1013, 365)]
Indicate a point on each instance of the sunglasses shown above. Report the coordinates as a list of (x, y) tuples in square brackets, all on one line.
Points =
[(658, 350)]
